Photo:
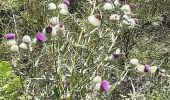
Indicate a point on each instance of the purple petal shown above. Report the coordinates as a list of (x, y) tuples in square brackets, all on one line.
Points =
[(147, 68), (9, 36), (40, 37), (105, 85), (67, 2)]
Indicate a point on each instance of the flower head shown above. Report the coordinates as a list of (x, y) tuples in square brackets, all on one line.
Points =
[(147, 68), (9, 36), (105, 85), (52, 6), (11, 42), (23, 46), (48, 29), (26, 39), (64, 11), (94, 20), (14, 48), (134, 61), (108, 6), (54, 20), (115, 17), (40, 37)]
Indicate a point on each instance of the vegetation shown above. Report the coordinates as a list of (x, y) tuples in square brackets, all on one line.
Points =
[(64, 67)]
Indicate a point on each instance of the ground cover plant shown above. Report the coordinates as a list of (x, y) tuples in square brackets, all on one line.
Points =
[(84, 50)]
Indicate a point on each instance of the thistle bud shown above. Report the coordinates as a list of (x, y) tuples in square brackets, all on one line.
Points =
[(14, 48), (54, 20), (52, 6), (147, 68), (134, 61), (23, 46), (11, 42), (94, 21), (26, 39)]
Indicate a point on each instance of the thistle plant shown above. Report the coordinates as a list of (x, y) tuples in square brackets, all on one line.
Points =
[(73, 57)]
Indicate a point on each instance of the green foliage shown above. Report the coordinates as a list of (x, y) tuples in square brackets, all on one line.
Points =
[(9, 82)]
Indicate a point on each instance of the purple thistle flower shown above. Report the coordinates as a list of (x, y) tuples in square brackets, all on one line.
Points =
[(67, 2), (48, 29), (147, 68), (40, 37), (9, 36), (105, 85)]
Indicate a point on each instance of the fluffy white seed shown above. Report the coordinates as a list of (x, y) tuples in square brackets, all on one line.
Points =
[(62, 6), (14, 48), (108, 6), (11, 42), (134, 61), (97, 79), (52, 6), (94, 21), (140, 68), (23, 46), (64, 11), (26, 39), (54, 20)]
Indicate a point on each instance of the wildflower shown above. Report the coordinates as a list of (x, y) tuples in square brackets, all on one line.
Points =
[(26, 39), (54, 20), (9, 36), (134, 61), (14, 48), (140, 68), (115, 17), (52, 6), (11, 42), (23, 46), (147, 68), (40, 37), (97, 79), (63, 6), (60, 27), (105, 85), (108, 6), (64, 11), (48, 29), (94, 20)]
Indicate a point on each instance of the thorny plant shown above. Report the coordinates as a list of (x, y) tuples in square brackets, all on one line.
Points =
[(82, 60)]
